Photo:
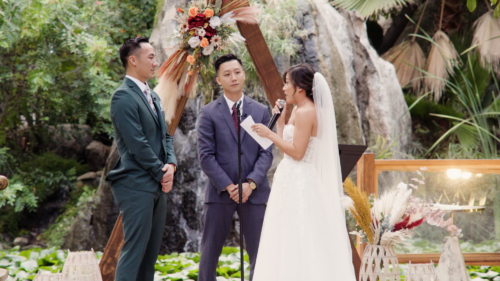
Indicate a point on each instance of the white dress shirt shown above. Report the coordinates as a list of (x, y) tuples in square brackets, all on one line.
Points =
[(230, 104)]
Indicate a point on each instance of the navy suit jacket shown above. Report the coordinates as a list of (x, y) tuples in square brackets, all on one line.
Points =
[(142, 139), (218, 151)]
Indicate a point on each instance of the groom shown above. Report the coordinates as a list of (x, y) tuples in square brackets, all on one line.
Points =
[(144, 173), (218, 153)]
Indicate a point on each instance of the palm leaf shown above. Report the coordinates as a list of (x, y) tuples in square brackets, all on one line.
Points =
[(442, 59), (407, 58), (487, 39), (369, 7)]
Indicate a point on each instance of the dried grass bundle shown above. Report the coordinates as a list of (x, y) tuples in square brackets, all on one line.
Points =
[(407, 58), (241, 11), (487, 28), (442, 58), (361, 209)]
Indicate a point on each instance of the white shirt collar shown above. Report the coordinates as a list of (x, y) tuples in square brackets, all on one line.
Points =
[(230, 103), (141, 85)]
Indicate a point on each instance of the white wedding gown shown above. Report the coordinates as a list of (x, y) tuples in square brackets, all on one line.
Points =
[(303, 237)]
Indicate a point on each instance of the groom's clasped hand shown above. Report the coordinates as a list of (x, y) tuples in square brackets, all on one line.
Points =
[(168, 178), (235, 194)]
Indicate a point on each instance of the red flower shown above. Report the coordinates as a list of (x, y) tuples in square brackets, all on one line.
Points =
[(197, 21), (210, 32)]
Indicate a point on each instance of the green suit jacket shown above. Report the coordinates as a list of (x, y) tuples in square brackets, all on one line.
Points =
[(142, 139)]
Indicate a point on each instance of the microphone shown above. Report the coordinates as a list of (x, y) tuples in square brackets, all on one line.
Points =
[(276, 115)]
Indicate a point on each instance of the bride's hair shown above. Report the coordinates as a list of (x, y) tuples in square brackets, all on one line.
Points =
[(302, 76)]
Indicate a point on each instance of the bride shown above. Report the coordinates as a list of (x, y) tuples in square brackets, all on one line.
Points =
[(304, 236)]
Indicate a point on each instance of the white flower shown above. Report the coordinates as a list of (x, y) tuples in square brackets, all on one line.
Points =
[(215, 22), (201, 32), (216, 40), (208, 50), (194, 41)]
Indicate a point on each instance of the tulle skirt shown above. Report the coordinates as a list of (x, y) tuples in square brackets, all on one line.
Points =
[(304, 236)]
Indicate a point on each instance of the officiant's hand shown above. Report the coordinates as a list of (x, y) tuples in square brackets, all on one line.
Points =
[(281, 119), (262, 130)]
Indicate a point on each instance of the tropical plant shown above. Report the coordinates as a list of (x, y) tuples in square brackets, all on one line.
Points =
[(369, 7)]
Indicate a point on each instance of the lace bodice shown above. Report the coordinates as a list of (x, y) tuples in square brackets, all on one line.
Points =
[(288, 136)]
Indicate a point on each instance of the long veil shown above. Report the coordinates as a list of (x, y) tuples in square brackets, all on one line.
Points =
[(327, 163)]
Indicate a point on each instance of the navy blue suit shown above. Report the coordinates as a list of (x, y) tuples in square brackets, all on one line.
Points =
[(218, 153)]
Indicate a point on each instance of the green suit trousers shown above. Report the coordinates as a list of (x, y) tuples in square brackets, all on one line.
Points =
[(144, 215)]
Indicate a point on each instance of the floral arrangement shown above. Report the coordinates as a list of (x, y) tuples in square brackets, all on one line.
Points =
[(391, 219), (203, 30)]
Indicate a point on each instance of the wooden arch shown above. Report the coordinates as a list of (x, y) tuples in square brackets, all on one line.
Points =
[(271, 80)]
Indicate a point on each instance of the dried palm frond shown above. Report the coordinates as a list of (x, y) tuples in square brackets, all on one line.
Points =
[(171, 75), (407, 58), (442, 59), (241, 11), (369, 7), (361, 209), (487, 28), (396, 238)]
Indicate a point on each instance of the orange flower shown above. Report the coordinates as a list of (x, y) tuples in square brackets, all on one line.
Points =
[(209, 13), (204, 42), (180, 10), (191, 59), (191, 72), (123, 31), (193, 11)]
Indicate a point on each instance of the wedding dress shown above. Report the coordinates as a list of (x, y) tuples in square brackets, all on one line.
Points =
[(304, 236)]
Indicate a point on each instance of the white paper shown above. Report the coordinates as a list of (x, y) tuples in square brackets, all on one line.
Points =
[(247, 125)]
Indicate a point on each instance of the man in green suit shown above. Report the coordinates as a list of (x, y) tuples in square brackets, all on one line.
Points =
[(144, 173)]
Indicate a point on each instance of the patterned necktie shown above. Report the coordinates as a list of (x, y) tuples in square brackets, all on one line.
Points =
[(235, 117), (147, 92)]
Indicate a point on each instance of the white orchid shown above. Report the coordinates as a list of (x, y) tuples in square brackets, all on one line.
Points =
[(194, 42)]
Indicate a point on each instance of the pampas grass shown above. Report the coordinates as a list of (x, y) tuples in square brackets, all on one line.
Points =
[(396, 238), (407, 58), (487, 28), (442, 59), (361, 209)]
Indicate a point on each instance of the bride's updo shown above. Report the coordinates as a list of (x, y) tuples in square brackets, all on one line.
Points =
[(302, 76)]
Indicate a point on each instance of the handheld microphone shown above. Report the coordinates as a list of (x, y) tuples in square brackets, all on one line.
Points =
[(276, 115)]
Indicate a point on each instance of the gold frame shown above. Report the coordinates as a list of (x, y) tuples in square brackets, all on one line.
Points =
[(368, 170)]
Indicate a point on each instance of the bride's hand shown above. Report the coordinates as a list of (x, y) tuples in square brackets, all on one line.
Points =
[(281, 119), (262, 130)]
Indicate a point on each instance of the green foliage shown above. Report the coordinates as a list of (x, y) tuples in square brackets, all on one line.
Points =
[(52, 163), (472, 4), (60, 60), (55, 234)]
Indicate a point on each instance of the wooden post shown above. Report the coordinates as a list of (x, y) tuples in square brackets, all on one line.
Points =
[(367, 183)]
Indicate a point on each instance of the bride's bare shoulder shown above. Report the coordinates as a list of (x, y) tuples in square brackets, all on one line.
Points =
[(306, 112)]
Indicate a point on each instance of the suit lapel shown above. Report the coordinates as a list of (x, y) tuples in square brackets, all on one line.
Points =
[(136, 88), (156, 102), (224, 110)]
